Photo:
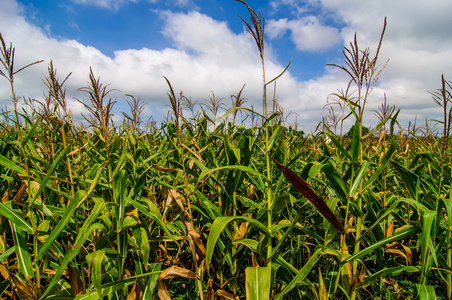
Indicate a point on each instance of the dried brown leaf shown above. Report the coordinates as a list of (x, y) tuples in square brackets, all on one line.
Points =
[(254, 262), (193, 234), (162, 168), (390, 229), (162, 291), (362, 275), (5, 197), (133, 213), (4, 271), (225, 295), (303, 187), (26, 291), (173, 195), (74, 280), (135, 293), (176, 271), (194, 153), (243, 228), (210, 295), (78, 150), (20, 192), (322, 288), (251, 192), (408, 254)]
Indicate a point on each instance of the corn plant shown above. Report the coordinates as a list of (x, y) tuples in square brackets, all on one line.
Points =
[(187, 210)]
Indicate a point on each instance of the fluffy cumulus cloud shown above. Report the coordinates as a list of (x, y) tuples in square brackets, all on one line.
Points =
[(307, 33), (206, 55), (417, 43)]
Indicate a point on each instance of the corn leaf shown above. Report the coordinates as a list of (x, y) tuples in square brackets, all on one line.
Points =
[(15, 218), (22, 252), (257, 284)]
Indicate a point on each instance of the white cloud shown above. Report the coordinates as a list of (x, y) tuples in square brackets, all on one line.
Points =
[(417, 42), (115, 4), (307, 33), (207, 55), (109, 4)]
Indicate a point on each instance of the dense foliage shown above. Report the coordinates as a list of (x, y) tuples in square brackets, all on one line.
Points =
[(199, 207)]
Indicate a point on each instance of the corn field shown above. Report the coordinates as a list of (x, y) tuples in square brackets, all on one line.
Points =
[(202, 208)]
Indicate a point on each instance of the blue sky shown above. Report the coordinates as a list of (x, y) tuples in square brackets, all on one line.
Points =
[(134, 25), (201, 45)]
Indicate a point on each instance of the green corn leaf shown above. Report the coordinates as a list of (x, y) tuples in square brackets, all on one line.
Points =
[(280, 74), (231, 167), (154, 268), (257, 284), (210, 208), (119, 192), (252, 244), (335, 181), (79, 197), (276, 133), (96, 274), (393, 271), (32, 131), (407, 231), (46, 179), (143, 245), (379, 125), (286, 265), (156, 217), (15, 218), (217, 228), (287, 232), (7, 253), (384, 162), (338, 145), (410, 179), (110, 288), (73, 251), (356, 141), (358, 179), (427, 222), (12, 166), (120, 162), (392, 209), (429, 159), (301, 275), (206, 115), (46, 210), (448, 205), (426, 292), (22, 253), (394, 121)]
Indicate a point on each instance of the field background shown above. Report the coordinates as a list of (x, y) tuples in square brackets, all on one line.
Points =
[(206, 206)]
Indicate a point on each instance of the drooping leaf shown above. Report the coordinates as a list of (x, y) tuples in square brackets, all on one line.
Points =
[(304, 188)]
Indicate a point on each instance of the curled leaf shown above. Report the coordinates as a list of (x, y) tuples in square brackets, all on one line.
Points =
[(225, 295), (175, 271), (162, 168), (303, 187)]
